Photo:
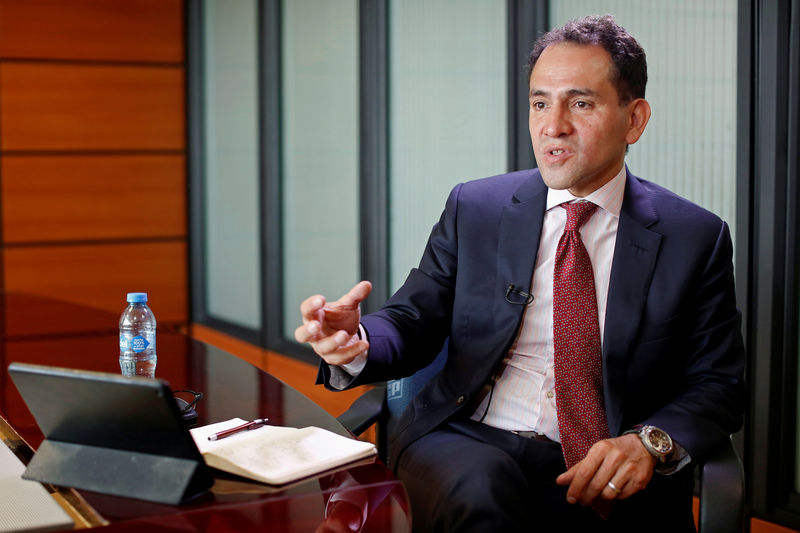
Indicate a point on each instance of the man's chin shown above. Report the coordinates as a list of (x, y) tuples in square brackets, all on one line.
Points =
[(556, 180)]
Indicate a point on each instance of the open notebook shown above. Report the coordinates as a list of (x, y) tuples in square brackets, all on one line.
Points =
[(278, 455)]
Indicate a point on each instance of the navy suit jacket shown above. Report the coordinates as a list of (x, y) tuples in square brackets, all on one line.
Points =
[(673, 354)]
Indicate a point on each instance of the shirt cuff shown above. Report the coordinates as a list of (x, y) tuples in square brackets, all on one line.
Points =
[(354, 367), (675, 461), (342, 375)]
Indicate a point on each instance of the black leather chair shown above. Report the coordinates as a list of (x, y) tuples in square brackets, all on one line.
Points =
[(720, 484), (721, 491)]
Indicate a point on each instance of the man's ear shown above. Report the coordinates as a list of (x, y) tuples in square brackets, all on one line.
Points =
[(639, 113)]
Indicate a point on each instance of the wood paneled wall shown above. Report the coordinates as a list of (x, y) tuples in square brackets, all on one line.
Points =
[(92, 152)]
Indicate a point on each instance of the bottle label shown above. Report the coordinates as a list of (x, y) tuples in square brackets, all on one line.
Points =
[(136, 344), (139, 344)]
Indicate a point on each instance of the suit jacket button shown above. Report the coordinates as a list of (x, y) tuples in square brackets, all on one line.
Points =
[(461, 399)]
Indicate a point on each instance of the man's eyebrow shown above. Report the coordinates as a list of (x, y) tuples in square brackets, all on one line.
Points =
[(570, 92), (582, 92)]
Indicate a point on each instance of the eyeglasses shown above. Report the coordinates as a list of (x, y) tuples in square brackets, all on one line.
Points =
[(187, 406)]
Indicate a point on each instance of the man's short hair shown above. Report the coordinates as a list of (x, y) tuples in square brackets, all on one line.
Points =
[(629, 74)]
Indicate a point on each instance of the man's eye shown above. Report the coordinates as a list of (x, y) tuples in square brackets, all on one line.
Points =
[(537, 105), (580, 104)]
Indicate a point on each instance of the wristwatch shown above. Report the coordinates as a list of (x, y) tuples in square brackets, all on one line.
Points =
[(656, 441)]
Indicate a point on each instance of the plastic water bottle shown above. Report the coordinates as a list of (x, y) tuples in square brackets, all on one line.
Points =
[(137, 337)]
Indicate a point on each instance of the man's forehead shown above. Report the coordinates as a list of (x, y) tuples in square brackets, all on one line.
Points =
[(580, 66)]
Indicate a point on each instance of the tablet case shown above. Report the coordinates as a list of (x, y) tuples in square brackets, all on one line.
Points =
[(111, 434)]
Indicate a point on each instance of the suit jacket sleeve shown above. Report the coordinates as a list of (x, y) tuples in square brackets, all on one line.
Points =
[(673, 352), (702, 341), (410, 329)]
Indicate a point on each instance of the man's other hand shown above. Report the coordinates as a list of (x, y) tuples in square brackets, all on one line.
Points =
[(331, 328), (622, 461)]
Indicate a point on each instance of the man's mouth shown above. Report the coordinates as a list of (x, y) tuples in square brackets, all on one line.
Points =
[(556, 152)]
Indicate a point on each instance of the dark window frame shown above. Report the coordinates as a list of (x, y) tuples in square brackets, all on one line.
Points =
[(772, 33)]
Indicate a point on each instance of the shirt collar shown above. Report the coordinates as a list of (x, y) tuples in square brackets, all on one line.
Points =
[(609, 196)]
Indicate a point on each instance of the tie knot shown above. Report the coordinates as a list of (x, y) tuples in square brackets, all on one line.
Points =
[(577, 214)]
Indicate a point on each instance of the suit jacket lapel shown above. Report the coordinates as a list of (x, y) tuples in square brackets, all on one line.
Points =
[(520, 229), (631, 273), (632, 269)]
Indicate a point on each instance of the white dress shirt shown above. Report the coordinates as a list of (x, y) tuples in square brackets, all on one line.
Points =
[(523, 398)]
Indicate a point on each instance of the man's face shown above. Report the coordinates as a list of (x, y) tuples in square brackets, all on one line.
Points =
[(578, 128)]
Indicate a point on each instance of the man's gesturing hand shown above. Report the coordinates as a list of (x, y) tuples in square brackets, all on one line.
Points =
[(623, 461), (332, 328)]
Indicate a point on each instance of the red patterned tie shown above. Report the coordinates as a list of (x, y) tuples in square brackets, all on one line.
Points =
[(576, 340)]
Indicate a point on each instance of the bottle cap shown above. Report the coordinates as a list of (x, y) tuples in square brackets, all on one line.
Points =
[(137, 297)]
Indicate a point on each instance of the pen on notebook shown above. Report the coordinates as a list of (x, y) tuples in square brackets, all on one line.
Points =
[(257, 423)]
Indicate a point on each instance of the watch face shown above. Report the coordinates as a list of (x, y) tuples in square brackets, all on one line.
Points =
[(659, 440)]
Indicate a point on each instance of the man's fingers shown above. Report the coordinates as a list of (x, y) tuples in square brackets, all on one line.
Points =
[(635, 479), (354, 297), (307, 332), (612, 465), (341, 354), (593, 473), (614, 490), (613, 469), (566, 477), (331, 343), (582, 474), (311, 306)]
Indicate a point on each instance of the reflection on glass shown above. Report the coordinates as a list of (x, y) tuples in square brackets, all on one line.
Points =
[(448, 111), (230, 165)]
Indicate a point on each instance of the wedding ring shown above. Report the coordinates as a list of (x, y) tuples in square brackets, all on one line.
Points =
[(614, 488)]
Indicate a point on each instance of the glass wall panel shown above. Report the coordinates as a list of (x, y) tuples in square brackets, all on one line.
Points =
[(320, 151), (230, 166), (689, 145), (448, 111)]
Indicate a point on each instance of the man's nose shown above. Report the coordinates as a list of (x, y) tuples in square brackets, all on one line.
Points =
[(557, 122)]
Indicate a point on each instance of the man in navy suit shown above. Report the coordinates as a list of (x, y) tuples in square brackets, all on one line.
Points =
[(479, 448)]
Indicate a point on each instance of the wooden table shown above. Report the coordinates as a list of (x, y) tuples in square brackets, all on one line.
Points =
[(49, 332)]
